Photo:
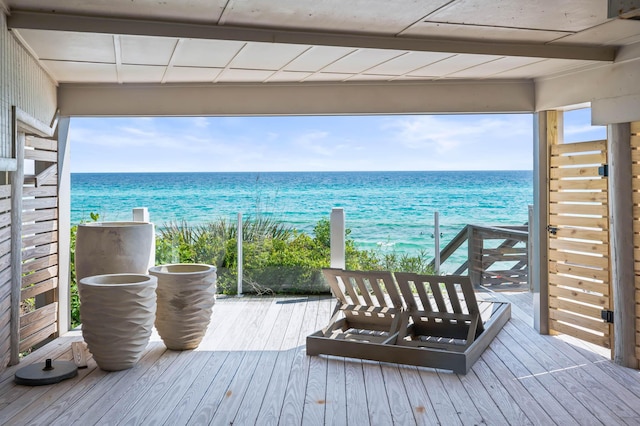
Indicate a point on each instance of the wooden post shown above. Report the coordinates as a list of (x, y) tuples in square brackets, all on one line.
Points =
[(17, 183), (474, 255), (621, 248), (64, 226), (547, 130), (337, 238)]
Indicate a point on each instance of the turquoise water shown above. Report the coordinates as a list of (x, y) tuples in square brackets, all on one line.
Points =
[(387, 211)]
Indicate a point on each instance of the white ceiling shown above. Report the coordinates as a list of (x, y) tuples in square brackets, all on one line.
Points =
[(225, 41)]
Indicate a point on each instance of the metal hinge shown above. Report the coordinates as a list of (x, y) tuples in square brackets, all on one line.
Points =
[(607, 316), (603, 170), (552, 229)]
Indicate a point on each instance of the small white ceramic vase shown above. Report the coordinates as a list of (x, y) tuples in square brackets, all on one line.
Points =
[(114, 248), (117, 313), (186, 294)]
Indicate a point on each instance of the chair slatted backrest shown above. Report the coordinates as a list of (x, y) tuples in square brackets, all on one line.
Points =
[(429, 290), (365, 291)]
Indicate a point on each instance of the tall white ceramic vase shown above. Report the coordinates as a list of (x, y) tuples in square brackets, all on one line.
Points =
[(117, 313), (186, 294), (114, 248)]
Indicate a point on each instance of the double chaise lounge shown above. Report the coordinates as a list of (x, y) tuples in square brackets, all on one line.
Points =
[(425, 320)]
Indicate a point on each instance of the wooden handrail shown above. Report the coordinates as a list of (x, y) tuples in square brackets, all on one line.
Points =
[(484, 259)]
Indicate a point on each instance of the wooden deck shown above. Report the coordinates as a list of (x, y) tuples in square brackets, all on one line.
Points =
[(252, 369)]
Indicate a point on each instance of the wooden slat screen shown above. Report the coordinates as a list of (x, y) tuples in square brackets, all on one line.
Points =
[(635, 165), (5, 273), (579, 241), (39, 244)]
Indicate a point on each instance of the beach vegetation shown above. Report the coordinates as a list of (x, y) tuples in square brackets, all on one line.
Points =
[(277, 258)]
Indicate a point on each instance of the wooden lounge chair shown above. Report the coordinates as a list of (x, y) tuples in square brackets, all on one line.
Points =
[(447, 324), (368, 310), (440, 318), (444, 326)]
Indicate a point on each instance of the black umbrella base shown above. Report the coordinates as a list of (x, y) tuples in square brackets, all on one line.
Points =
[(46, 373)]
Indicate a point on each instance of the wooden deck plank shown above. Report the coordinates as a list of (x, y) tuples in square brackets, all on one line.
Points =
[(552, 407), (336, 393), (459, 397), (560, 386), (423, 411), (252, 400), (377, 400), (356, 400), (229, 406), (401, 410), (225, 315), (274, 397), (442, 405), (255, 350), (544, 349), (487, 408), (316, 400), (295, 394), (86, 410), (132, 399), (509, 408), (21, 410), (219, 389)]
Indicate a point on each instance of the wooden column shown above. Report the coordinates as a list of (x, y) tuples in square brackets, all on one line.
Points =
[(17, 182), (64, 226), (621, 244), (547, 130)]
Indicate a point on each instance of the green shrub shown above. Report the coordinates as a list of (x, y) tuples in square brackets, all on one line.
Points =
[(276, 258)]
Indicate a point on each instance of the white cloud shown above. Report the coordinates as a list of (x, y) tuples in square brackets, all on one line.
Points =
[(315, 142)]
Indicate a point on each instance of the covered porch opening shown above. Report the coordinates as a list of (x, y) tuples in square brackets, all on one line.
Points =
[(444, 57)]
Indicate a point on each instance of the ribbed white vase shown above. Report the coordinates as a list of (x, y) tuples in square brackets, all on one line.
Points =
[(117, 313), (186, 294), (114, 248)]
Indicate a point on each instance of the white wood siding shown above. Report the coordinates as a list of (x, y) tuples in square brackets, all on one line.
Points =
[(25, 84), (22, 83)]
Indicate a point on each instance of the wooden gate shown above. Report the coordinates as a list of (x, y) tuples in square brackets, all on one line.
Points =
[(39, 316), (579, 284)]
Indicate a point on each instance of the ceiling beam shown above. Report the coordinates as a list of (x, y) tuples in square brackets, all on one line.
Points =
[(442, 97), (125, 26)]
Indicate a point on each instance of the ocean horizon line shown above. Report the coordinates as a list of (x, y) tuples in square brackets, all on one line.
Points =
[(315, 171)]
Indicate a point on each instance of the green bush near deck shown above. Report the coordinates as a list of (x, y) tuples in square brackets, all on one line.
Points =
[(277, 258)]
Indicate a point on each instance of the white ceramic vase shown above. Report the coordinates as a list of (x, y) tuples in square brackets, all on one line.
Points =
[(117, 313), (114, 248), (186, 294)]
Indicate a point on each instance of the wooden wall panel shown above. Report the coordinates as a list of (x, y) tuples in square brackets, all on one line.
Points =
[(579, 241), (39, 244), (5, 274), (635, 171), (23, 83)]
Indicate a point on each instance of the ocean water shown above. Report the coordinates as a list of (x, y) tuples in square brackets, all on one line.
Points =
[(386, 211)]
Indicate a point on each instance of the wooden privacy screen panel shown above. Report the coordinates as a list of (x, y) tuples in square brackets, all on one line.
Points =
[(38, 319), (635, 172), (579, 241), (5, 274)]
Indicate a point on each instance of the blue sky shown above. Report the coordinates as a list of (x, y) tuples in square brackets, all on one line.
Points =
[(320, 143)]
